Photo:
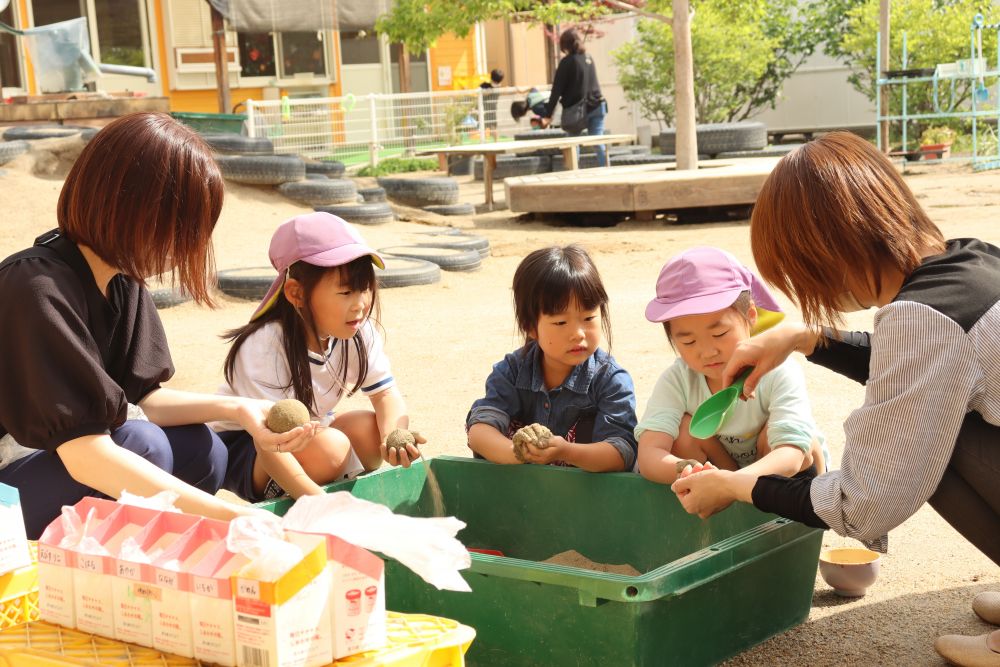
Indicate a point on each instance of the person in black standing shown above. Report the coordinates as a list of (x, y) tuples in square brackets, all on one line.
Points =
[(575, 80), (490, 99)]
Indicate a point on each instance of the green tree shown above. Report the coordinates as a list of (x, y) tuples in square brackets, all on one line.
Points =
[(936, 32), (743, 53)]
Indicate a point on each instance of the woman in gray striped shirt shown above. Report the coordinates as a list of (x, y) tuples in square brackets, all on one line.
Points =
[(837, 229)]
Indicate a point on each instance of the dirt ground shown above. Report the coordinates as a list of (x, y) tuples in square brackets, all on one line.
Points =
[(443, 339)]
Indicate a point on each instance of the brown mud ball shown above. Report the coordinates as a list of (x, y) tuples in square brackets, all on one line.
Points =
[(287, 414), (535, 434), (399, 439), (684, 463)]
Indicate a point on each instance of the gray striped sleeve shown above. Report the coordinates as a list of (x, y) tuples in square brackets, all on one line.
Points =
[(923, 372)]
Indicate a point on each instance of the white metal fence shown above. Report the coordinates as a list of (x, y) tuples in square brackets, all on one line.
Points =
[(368, 128)]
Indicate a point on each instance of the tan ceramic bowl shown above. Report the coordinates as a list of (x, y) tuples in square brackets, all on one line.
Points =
[(849, 570)]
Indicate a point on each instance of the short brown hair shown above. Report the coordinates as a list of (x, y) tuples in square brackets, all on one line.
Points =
[(548, 279), (145, 195), (830, 208)]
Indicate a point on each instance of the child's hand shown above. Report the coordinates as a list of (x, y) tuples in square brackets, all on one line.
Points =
[(405, 455), (553, 451)]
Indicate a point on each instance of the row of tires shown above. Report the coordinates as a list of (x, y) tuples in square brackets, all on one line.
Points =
[(405, 265)]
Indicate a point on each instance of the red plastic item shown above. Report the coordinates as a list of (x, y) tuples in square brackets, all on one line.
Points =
[(488, 552)]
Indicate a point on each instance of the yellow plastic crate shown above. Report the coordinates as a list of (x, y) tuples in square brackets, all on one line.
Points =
[(414, 641), (19, 594)]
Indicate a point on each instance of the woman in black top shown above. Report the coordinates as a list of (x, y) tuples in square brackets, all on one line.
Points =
[(575, 80), (837, 229), (82, 349)]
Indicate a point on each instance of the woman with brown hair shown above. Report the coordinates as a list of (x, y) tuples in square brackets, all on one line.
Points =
[(837, 229), (82, 350)]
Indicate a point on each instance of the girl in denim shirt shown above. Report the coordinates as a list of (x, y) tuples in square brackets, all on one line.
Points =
[(560, 378)]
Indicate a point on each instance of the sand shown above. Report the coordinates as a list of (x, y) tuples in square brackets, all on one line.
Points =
[(574, 558), (443, 339)]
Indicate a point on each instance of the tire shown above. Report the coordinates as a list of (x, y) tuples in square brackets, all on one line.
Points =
[(452, 209), (780, 150), (261, 169), (369, 213), (461, 242), (330, 168), (628, 150), (517, 165), (460, 165), (585, 161), (449, 259), (715, 138), (33, 132), (420, 192), (320, 192), (316, 177), (89, 133), (11, 149), (237, 144), (251, 284), (535, 135), (372, 194), (405, 271), (617, 160), (165, 297)]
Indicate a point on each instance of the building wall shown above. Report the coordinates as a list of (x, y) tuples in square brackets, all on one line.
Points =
[(528, 66), (458, 54)]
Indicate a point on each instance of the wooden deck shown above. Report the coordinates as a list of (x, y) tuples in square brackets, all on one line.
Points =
[(640, 189)]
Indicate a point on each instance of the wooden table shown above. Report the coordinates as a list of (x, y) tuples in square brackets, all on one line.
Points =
[(489, 151)]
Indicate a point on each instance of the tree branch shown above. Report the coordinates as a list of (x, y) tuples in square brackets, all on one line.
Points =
[(624, 6)]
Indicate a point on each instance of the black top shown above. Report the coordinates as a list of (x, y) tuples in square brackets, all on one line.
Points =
[(568, 84), (962, 283), (72, 360)]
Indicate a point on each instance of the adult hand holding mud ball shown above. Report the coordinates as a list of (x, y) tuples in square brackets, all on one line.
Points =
[(836, 228)]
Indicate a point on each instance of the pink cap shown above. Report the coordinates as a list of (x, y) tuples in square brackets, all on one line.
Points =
[(320, 239), (703, 280)]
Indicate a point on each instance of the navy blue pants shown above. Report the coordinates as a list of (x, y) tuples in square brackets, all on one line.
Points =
[(193, 454)]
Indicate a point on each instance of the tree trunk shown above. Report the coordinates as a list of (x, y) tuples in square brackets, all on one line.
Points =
[(687, 140), (221, 61)]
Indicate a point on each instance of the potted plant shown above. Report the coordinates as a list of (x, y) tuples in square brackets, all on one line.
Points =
[(935, 142)]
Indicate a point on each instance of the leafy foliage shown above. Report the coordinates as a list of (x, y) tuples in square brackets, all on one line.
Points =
[(398, 165), (743, 53)]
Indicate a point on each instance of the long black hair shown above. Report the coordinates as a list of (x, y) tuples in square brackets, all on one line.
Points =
[(298, 327)]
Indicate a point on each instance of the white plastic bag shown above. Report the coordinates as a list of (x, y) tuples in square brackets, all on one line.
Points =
[(262, 540), (164, 501), (426, 546), (75, 532)]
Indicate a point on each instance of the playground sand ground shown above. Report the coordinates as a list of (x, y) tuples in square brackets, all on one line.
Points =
[(930, 575)]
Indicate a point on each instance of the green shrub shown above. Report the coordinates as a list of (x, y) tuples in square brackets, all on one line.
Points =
[(399, 165)]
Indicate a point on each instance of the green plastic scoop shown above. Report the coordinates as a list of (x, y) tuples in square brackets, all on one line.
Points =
[(711, 415)]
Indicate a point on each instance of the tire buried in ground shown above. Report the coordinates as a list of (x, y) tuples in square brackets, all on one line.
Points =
[(369, 213), (33, 132), (516, 165), (166, 297), (448, 259), (406, 271), (11, 149), (715, 138), (321, 192), (237, 144), (251, 284), (372, 194), (464, 208), (329, 168), (261, 169), (420, 192), (460, 242), (536, 135)]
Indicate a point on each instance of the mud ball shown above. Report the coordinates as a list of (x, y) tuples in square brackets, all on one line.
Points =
[(535, 434), (287, 414), (684, 463), (399, 439)]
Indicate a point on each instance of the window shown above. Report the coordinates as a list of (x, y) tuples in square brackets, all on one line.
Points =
[(358, 48), (118, 25), (300, 53), (10, 64)]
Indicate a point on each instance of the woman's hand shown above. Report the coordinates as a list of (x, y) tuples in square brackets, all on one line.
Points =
[(553, 452), (705, 490), (765, 352), (403, 457), (252, 417)]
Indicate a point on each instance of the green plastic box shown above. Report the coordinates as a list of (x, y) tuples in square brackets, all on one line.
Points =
[(711, 589), (231, 123)]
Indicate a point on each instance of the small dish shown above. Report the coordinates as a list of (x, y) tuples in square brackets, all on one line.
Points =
[(849, 570)]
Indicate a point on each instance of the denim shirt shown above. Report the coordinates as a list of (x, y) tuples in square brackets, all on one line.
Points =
[(598, 390)]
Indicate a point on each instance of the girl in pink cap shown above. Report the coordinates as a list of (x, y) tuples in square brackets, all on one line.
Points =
[(314, 338), (708, 304)]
